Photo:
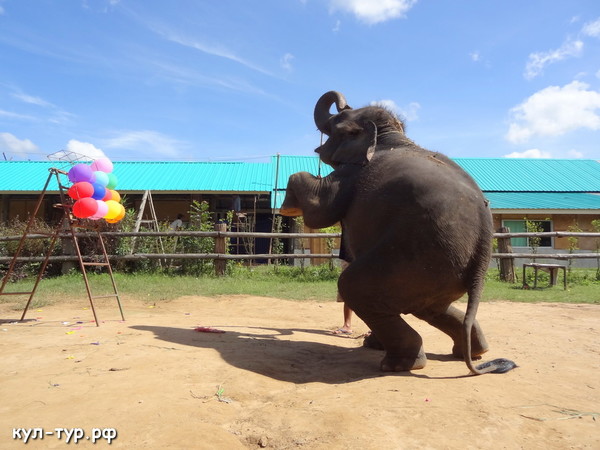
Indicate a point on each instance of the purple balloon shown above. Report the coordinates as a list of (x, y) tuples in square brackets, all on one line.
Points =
[(99, 191), (80, 172)]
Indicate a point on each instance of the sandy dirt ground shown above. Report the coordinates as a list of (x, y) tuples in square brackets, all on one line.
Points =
[(278, 379)]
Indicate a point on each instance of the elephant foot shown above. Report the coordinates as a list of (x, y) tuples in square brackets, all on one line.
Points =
[(477, 349), (403, 363), (372, 342)]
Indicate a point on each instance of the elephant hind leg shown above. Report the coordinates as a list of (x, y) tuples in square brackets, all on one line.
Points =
[(450, 321)]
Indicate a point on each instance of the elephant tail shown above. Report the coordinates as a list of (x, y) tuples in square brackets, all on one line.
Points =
[(499, 365)]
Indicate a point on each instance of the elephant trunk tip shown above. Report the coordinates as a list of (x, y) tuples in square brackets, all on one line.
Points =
[(500, 365)]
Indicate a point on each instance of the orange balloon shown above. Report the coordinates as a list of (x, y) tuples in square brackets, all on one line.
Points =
[(115, 196)]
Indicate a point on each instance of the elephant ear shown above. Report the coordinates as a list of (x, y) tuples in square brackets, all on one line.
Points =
[(358, 145)]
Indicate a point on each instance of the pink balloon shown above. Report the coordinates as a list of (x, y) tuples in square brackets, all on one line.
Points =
[(102, 209), (103, 165)]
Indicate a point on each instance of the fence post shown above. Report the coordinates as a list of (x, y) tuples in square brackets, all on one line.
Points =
[(220, 247), (68, 248), (507, 265)]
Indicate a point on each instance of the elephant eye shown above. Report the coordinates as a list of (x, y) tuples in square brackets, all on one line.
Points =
[(351, 129)]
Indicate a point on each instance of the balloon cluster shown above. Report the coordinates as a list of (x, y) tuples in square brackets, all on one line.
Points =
[(93, 191)]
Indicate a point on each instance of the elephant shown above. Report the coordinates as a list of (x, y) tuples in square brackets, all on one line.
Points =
[(416, 227)]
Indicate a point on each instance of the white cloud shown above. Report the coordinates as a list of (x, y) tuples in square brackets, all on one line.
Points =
[(83, 149), (337, 27), (12, 115), (210, 48), (58, 116), (575, 154), (555, 111), (409, 112), (533, 153), (286, 62), (10, 143), (537, 61), (475, 56), (147, 142), (374, 11), (592, 28), (31, 99)]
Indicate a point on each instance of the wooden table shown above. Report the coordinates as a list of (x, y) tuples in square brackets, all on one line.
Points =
[(552, 269)]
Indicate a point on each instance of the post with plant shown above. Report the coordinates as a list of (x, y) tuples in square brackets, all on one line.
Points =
[(330, 241), (299, 243), (507, 265), (533, 226), (573, 242), (596, 226), (220, 248), (277, 243), (200, 220)]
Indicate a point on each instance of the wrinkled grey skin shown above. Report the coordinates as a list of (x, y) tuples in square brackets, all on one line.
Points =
[(417, 227)]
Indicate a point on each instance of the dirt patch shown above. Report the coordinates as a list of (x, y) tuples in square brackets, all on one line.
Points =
[(278, 379)]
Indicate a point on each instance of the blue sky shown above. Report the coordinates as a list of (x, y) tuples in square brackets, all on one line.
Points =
[(227, 80)]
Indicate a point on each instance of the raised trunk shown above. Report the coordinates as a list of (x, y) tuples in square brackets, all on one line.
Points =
[(322, 114)]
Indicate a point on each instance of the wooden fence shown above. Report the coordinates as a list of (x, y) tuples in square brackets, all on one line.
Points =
[(221, 237)]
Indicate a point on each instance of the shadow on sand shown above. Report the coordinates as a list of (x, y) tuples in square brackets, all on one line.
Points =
[(285, 354)]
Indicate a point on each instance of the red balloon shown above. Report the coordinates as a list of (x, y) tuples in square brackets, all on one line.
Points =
[(85, 207), (107, 195), (81, 190)]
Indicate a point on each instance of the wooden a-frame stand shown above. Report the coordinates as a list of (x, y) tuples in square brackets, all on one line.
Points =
[(73, 224)]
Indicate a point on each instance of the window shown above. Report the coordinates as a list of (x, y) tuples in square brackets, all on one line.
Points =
[(520, 226)]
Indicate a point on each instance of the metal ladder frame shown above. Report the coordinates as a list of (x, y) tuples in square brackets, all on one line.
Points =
[(66, 206)]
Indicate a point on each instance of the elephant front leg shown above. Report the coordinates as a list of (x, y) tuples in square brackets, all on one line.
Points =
[(450, 321), (290, 206), (403, 345)]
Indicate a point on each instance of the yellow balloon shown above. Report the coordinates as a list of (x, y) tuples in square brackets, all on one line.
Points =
[(114, 209), (120, 215)]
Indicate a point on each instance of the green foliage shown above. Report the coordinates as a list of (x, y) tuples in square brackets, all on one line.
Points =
[(316, 283), (573, 241), (200, 220), (137, 244), (533, 226), (596, 226), (330, 242), (300, 243), (31, 248)]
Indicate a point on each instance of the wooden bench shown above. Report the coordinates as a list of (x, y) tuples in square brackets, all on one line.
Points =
[(552, 269)]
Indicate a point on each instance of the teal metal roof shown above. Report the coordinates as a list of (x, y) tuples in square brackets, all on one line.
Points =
[(543, 200), (284, 166), (533, 175), (30, 176), (508, 183)]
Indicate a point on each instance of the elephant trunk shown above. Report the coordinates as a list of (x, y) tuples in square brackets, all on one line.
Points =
[(322, 114)]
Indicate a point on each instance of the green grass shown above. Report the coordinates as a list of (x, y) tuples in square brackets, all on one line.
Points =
[(314, 283)]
